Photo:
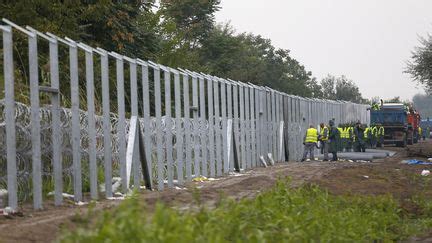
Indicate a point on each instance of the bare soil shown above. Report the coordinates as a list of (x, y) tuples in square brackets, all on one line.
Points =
[(386, 176)]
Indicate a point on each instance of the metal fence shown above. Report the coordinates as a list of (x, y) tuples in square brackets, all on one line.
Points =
[(80, 147)]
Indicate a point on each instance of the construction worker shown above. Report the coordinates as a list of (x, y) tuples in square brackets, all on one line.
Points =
[(375, 106), (359, 135), (349, 138), (340, 139), (419, 133), (381, 133), (333, 140), (374, 136), (324, 139), (368, 136), (310, 142)]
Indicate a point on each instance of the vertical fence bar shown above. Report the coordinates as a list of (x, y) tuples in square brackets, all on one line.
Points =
[(121, 126), (230, 116), (146, 115), (8, 68), (35, 122), (274, 125), (56, 132), (248, 128), (158, 112), (91, 123), (257, 124), (179, 132), (211, 126), (203, 130), (236, 116), (196, 126), (187, 124), (168, 122), (242, 127), (106, 124), (134, 112), (76, 136), (217, 128), (224, 126), (252, 126)]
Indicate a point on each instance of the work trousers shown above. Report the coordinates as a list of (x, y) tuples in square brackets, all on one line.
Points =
[(309, 148)]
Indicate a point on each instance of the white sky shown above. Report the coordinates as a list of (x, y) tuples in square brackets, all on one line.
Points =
[(369, 41)]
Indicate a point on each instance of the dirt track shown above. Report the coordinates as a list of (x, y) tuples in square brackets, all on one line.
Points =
[(380, 177)]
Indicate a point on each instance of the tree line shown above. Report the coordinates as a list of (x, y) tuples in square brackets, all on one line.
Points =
[(176, 33)]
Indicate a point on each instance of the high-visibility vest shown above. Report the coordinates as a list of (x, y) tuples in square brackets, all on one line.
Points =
[(322, 133), (366, 131), (374, 131), (340, 132), (381, 131), (350, 132), (420, 130), (311, 135)]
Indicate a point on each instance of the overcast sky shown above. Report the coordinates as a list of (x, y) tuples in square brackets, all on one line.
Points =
[(369, 41)]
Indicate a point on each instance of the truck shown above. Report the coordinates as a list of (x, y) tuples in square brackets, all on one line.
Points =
[(394, 118)]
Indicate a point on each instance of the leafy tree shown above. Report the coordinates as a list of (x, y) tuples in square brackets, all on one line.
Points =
[(423, 104), (341, 88), (420, 65)]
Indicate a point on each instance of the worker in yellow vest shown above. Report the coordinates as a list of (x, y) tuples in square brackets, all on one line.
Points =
[(367, 136), (340, 139), (324, 137), (419, 133), (381, 133), (310, 142), (374, 136), (349, 138)]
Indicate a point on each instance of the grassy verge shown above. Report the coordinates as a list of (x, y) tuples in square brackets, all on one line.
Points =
[(282, 214)]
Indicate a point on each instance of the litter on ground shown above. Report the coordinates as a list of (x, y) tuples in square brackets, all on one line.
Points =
[(425, 172), (416, 162)]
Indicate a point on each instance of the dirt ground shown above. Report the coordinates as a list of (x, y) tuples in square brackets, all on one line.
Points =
[(386, 176)]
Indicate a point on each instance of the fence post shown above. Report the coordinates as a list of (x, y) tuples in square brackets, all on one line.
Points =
[(211, 125), (179, 132), (8, 69), (91, 129), (168, 126), (217, 128), (106, 122), (187, 125), (224, 126), (56, 132), (195, 131), (202, 126)]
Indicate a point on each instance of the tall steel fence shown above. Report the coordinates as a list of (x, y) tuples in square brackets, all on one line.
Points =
[(71, 134)]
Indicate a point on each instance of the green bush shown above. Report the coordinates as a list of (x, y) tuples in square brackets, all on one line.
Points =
[(282, 214)]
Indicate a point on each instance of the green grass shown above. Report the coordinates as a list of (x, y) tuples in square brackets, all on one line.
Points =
[(282, 214)]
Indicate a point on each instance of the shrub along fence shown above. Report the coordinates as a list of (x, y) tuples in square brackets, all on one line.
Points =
[(72, 133)]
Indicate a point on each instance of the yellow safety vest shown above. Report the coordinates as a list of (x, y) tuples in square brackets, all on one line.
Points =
[(322, 133), (381, 131), (350, 132), (311, 135), (366, 131), (420, 130), (340, 132), (374, 131)]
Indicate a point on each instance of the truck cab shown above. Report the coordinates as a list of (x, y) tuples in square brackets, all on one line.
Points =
[(394, 118)]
